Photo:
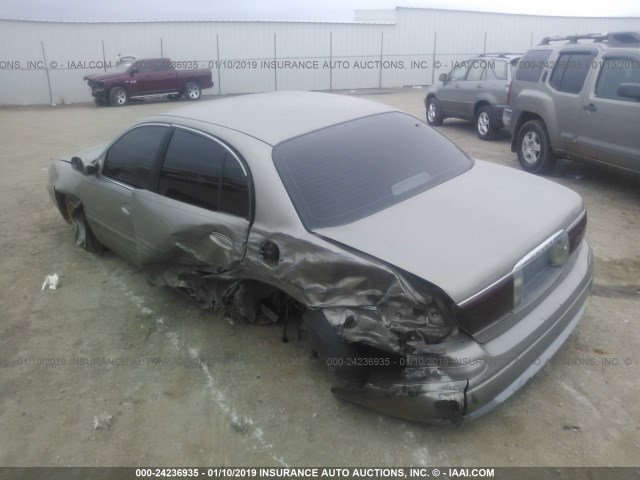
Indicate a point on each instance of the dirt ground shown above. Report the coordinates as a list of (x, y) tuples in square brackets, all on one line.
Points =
[(109, 371)]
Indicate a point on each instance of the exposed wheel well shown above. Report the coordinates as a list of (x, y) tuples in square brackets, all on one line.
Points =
[(522, 119), (479, 105)]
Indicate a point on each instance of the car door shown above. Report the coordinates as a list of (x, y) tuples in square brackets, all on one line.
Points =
[(470, 87), (567, 82), (199, 216), (144, 77), (496, 82), (608, 129), (163, 76), (107, 197), (448, 96)]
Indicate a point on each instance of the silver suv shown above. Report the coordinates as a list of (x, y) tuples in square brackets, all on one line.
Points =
[(474, 90), (577, 97)]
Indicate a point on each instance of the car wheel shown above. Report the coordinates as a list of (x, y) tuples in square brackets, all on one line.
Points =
[(118, 97), (485, 125), (434, 113), (192, 91), (534, 149)]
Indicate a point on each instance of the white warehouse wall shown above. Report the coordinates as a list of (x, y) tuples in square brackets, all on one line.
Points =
[(338, 55)]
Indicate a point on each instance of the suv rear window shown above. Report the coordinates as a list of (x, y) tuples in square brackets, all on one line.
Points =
[(531, 65), (349, 171)]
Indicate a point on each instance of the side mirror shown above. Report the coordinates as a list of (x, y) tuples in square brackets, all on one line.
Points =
[(443, 77), (76, 164), (629, 90)]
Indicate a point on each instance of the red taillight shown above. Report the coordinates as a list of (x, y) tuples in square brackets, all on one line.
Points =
[(487, 306), (509, 94), (576, 233)]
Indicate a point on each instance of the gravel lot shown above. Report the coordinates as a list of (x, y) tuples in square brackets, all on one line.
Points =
[(108, 371)]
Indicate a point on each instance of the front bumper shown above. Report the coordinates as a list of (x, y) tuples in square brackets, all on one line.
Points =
[(469, 379)]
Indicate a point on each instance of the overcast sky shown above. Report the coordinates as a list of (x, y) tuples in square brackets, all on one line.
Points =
[(310, 10)]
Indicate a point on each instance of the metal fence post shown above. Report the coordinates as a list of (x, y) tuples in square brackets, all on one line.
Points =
[(218, 63), (275, 58), (330, 61), (46, 69), (381, 47), (433, 59), (104, 57)]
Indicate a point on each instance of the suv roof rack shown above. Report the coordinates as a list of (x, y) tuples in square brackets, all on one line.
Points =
[(501, 54), (615, 39)]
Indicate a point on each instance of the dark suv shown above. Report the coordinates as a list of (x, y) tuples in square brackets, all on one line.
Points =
[(474, 90), (578, 97)]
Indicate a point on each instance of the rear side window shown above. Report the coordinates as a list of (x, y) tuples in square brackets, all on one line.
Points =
[(200, 171), (349, 171), (496, 70), (616, 71), (570, 72), (130, 159), (531, 65)]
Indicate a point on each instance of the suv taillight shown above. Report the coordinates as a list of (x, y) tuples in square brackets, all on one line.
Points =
[(508, 87)]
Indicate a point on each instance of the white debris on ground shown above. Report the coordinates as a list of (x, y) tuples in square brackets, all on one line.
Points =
[(51, 281), (102, 421)]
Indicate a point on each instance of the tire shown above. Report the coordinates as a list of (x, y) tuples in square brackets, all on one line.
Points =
[(192, 91), (485, 123), (534, 149), (118, 97), (434, 113)]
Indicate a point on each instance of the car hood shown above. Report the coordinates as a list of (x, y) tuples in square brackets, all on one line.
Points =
[(465, 234), (101, 77)]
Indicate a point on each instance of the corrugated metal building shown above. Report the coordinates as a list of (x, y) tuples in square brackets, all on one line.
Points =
[(44, 62)]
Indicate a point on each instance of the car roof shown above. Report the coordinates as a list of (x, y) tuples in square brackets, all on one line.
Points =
[(277, 116)]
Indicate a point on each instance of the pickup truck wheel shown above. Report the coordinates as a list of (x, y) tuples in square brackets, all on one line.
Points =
[(485, 125), (434, 114), (534, 149), (192, 91), (118, 96)]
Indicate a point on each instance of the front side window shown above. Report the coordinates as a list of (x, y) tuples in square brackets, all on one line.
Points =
[(458, 73), (200, 171), (476, 72), (616, 71), (130, 159), (346, 172), (570, 72)]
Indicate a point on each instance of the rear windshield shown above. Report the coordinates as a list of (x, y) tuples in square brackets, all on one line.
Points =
[(349, 171)]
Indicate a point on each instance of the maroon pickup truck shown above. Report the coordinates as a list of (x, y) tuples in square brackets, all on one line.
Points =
[(147, 78)]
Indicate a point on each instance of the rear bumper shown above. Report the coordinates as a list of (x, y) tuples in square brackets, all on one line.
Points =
[(467, 379), (498, 114)]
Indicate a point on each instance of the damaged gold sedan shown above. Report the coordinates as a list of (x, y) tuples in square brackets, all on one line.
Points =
[(432, 284)]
